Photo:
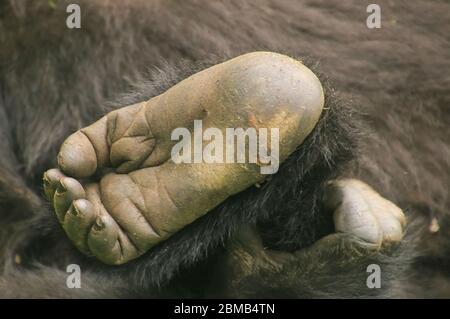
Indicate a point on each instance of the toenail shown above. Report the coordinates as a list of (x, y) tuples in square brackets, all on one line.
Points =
[(74, 210), (63, 185), (46, 181), (99, 224), (62, 189), (60, 192)]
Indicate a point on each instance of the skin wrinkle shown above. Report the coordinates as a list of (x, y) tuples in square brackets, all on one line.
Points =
[(146, 217), (126, 133), (120, 242), (116, 118), (111, 128), (90, 140), (172, 201), (150, 133), (125, 232), (133, 121), (138, 163)]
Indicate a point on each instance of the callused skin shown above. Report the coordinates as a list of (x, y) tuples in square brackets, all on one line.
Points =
[(148, 197)]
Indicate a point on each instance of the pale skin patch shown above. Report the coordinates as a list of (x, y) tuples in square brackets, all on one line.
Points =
[(361, 211)]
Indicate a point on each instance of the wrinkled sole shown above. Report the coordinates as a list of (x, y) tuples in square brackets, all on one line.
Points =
[(148, 196)]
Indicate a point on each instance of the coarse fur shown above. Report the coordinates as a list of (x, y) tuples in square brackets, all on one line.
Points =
[(55, 80)]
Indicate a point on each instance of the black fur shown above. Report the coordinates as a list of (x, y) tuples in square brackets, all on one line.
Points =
[(388, 128)]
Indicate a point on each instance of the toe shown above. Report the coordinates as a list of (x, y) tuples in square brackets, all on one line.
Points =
[(68, 190), (124, 202), (77, 156), (77, 223), (107, 242), (103, 240), (51, 180)]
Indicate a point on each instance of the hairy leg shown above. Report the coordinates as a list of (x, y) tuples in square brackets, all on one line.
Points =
[(143, 196)]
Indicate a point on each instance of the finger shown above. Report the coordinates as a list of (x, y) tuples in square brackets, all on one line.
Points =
[(85, 151)]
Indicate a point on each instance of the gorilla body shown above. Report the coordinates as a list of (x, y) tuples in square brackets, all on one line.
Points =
[(387, 127)]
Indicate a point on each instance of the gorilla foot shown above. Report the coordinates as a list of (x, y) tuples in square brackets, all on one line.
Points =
[(143, 196)]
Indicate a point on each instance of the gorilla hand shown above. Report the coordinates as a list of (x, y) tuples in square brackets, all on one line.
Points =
[(362, 212), (147, 196), (365, 225)]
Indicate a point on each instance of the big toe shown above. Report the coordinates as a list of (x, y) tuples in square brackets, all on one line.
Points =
[(77, 157)]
